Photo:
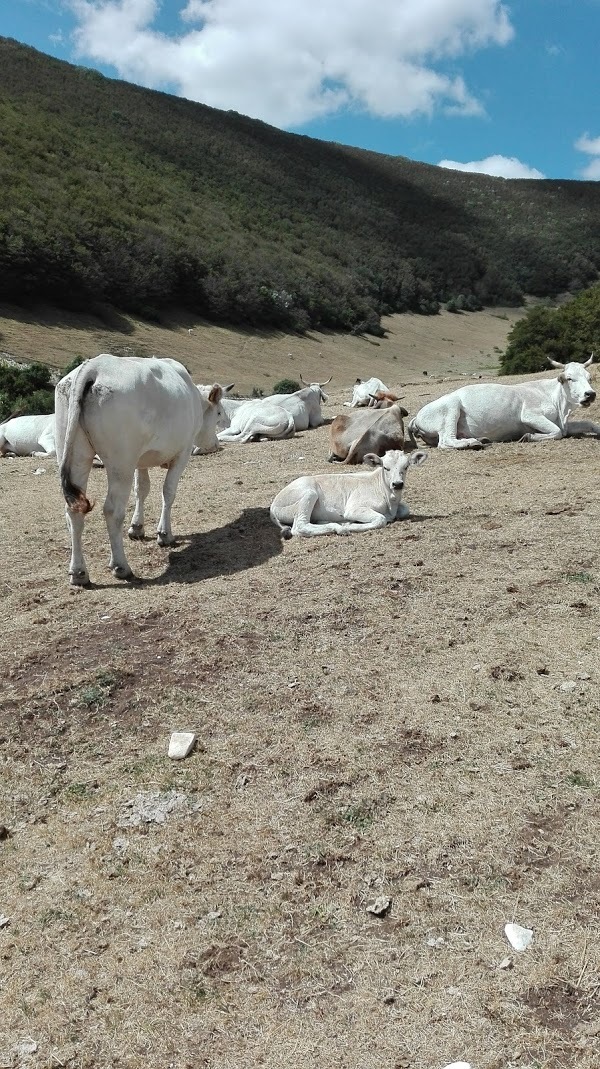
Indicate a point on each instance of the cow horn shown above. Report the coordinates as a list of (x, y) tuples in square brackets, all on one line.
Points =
[(326, 381), (302, 381), (555, 363), (590, 361)]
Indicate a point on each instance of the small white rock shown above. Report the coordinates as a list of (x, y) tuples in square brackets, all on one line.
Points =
[(4, 920), (436, 941), (518, 937), (39, 471), (569, 685), (458, 1065), (25, 1047), (181, 744), (506, 963), (380, 906)]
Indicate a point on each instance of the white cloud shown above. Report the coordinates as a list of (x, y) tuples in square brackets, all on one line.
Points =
[(591, 146), (588, 144), (499, 166), (287, 61)]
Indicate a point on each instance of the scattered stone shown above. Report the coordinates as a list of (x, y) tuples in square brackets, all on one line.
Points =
[(458, 1065), (518, 937), (25, 1047), (4, 833), (568, 686), (380, 906), (39, 471), (181, 744), (4, 921), (506, 963), (583, 675), (414, 883), (436, 941), (152, 807)]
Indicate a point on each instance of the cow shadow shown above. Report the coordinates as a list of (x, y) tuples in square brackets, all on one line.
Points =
[(246, 542)]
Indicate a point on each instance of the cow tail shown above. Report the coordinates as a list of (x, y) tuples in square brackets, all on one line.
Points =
[(74, 496)]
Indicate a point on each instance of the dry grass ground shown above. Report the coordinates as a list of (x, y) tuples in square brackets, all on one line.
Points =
[(445, 344), (410, 713)]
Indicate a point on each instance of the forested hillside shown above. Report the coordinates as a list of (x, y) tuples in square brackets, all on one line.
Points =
[(570, 332), (113, 193)]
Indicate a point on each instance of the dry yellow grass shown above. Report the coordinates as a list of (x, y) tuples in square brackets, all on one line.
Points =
[(377, 715)]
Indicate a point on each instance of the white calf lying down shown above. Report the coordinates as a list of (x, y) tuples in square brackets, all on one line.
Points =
[(341, 504), (28, 436), (362, 393), (251, 418), (136, 414), (528, 411)]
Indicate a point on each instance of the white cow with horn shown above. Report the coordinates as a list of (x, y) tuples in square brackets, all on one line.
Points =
[(532, 411), (305, 404), (136, 413)]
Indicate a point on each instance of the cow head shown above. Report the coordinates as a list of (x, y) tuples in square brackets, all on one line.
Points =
[(576, 381), (212, 414), (394, 465), (318, 387)]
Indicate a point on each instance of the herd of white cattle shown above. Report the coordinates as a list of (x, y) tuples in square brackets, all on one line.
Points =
[(136, 413)]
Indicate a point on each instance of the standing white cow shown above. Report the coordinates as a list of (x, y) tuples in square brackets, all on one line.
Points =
[(528, 411), (341, 504), (136, 414), (362, 393), (28, 436)]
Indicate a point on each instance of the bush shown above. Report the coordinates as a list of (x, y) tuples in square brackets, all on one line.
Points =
[(25, 390), (286, 386), (567, 333)]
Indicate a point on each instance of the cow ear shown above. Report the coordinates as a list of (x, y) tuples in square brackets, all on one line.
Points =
[(418, 457), (403, 410), (358, 382), (561, 378), (226, 389), (373, 460), (215, 394)]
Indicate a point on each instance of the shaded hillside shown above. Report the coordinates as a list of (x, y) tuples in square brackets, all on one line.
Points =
[(113, 193)]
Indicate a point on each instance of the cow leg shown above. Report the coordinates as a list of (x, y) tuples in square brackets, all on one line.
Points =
[(364, 519), (164, 535), (448, 431), (229, 436), (582, 426), (43, 456), (115, 507), (302, 518), (141, 489), (351, 457), (79, 474), (544, 429)]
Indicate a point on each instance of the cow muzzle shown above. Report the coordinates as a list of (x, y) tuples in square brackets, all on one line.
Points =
[(588, 399), (397, 485)]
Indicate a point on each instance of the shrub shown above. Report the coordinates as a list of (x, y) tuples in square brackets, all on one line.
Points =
[(286, 386), (26, 390)]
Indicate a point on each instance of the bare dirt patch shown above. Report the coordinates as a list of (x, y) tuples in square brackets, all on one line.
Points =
[(382, 715)]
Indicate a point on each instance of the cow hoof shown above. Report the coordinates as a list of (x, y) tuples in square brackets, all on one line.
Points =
[(79, 578), (136, 532), (123, 573), (164, 540)]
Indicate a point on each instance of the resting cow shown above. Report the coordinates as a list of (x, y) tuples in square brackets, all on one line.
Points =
[(362, 393), (249, 419), (304, 405), (369, 430), (343, 503), (28, 436), (136, 414), (528, 411)]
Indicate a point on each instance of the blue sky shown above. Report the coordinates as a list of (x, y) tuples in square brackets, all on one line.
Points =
[(508, 89)]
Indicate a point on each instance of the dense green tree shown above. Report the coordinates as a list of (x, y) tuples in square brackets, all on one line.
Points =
[(570, 332)]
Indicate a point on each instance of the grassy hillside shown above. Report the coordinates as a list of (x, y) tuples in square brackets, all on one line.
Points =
[(113, 193)]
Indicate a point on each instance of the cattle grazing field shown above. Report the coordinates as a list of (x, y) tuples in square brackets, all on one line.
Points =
[(397, 754)]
